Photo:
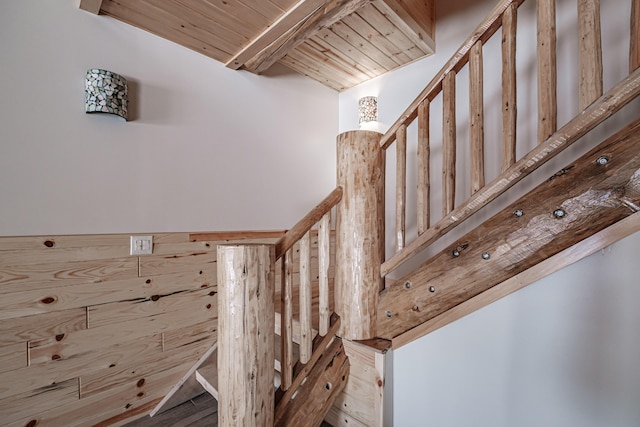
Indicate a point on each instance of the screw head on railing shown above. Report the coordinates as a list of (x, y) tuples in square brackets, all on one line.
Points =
[(432, 289), (485, 255), (518, 213), (602, 160), (407, 285), (388, 314), (456, 253), (559, 213)]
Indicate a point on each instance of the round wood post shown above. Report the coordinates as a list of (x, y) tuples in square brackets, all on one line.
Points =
[(359, 232), (246, 284)]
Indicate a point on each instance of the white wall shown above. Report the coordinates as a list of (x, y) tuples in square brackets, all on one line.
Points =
[(564, 351), (208, 148)]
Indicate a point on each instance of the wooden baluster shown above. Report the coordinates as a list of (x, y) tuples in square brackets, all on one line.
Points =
[(476, 114), (547, 75), (306, 335), (509, 100), (324, 251), (401, 185), (424, 197), (449, 142), (634, 47), (589, 52), (286, 321)]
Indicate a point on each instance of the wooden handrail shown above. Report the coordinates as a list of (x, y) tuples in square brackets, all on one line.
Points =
[(287, 241), (616, 98), (483, 32)]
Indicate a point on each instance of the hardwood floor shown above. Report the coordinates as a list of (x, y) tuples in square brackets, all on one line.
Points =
[(201, 411)]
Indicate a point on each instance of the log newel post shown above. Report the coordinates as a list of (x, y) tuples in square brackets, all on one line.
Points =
[(246, 285), (359, 232)]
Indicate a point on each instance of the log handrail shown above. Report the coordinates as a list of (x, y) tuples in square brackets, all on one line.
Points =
[(292, 236), (594, 107)]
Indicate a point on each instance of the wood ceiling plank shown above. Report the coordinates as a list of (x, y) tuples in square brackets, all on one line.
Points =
[(396, 12), (233, 15), (380, 22), (364, 46), (296, 65), (92, 6), (351, 51), (342, 57), (331, 59), (281, 26), (368, 32), (306, 54), (172, 28), (334, 11), (265, 8)]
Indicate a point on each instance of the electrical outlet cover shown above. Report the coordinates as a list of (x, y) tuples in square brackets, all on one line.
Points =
[(141, 245)]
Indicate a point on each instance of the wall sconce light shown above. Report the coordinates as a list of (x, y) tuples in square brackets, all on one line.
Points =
[(105, 92), (367, 109)]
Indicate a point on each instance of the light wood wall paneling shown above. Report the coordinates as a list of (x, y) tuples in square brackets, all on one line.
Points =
[(20, 406), (13, 356), (589, 52), (634, 45), (401, 186), (203, 300), (424, 167), (40, 326), (29, 257), (155, 265), (20, 278), (476, 113), (449, 143), (130, 291), (547, 73), (181, 337), (509, 95)]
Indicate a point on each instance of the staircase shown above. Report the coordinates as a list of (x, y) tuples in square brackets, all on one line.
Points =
[(596, 192)]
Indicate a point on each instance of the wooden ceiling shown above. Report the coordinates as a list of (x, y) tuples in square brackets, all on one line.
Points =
[(339, 43)]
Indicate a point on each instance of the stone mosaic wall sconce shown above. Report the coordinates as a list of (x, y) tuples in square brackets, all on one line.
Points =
[(105, 92), (367, 109)]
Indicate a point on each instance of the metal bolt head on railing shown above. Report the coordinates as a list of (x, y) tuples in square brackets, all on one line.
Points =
[(559, 213), (602, 160)]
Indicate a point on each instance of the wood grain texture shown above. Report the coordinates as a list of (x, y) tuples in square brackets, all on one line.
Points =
[(476, 113), (634, 45), (306, 334), (92, 6), (448, 143), (509, 93), (483, 32), (359, 232), (316, 395), (401, 186), (589, 246), (547, 73), (414, 18), (591, 197), (286, 321), (246, 353), (616, 98), (324, 262), (423, 204), (589, 52)]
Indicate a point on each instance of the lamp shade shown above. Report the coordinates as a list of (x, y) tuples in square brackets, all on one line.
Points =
[(367, 109), (105, 92)]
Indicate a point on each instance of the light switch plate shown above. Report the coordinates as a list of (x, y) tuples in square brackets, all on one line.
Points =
[(141, 245)]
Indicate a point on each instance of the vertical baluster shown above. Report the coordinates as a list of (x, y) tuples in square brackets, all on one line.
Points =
[(401, 184), (547, 75), (448, 142), (509, 100), (324, 249), (306, 335), (286, 321), (589, 52), (476, 114), (424, 201), (634, 47)]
